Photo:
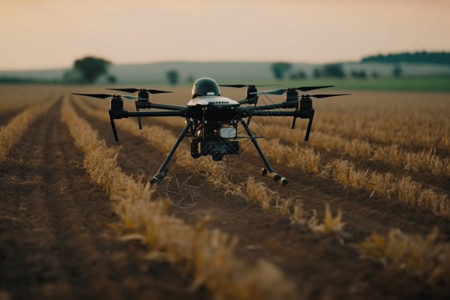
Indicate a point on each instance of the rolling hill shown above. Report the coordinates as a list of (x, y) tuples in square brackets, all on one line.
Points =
[(228, 72)]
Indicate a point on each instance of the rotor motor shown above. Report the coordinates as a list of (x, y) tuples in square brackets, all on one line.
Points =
[(116, 104)]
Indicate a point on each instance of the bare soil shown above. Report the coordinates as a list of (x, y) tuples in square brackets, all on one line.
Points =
[(56, 238)]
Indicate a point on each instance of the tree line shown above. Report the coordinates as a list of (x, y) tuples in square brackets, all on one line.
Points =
[(89, 69), (407, 57)]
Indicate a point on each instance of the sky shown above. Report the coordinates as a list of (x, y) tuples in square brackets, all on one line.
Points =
[(48, 34)]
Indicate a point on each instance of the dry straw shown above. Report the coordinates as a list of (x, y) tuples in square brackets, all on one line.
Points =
[(330, 225), (208, 254), (393, 155), (260, 194), (420, 256), (403, 189), (11, 133)]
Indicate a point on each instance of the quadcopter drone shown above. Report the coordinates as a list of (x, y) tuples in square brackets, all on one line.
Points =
[(212, 120)]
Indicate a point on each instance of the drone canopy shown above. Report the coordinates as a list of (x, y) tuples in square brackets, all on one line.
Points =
[(205, 87)]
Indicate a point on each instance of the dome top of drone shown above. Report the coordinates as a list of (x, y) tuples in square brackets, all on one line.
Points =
[(205, 86)]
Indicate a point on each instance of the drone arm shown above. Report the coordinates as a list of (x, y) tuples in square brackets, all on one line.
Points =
[(275, 113), (244, 101), (277, 105), (127, 114), (168, 107), (119, 114)]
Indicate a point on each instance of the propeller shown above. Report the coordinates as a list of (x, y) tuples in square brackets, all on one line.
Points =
[(243, 85), (327, 95), (302, 88), (134, 90), (116, 106), (306, 105), (100, 96), (141, 98), (252, 93), (104, 96)]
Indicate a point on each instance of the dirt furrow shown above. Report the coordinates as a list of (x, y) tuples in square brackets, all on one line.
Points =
[(6, 116), (60, 251), (54, 234)]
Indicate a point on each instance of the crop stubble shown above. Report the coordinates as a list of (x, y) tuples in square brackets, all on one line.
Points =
[(55, 239), (319, 266)]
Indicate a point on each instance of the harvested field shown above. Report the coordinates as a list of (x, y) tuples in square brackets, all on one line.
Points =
[(365, 214)]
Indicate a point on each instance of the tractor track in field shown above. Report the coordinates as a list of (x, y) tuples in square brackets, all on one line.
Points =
[(55, 241), (6, 116), (319, 266)]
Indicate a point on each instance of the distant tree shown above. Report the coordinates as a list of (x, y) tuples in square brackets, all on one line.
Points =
[(333, 70), (88, 69), (416, 57), (299, 75), (375, 75), (112, 79), (361, 74), (397, 71), (172, 76), (73, 76), (318, 73), (280, 68)]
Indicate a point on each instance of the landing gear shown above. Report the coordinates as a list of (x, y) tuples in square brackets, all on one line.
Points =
[(268, 171), (163, 169)]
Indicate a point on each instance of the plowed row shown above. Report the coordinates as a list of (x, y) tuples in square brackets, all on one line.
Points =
[(55, 223)]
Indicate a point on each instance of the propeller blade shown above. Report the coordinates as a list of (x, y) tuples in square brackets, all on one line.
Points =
[(100, 96), (274, 92), (233, 85), (302, 88), (126, 90), (243, 85), (134, 90), (157, 91), (130, 97), (104, 96), (309, 88), (327, 95)]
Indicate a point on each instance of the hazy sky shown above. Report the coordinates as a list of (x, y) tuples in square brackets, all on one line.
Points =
[(38, 34)]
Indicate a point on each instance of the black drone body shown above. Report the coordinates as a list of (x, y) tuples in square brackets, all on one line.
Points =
[(212, 120)]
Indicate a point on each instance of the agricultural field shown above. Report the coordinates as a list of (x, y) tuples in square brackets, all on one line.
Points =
[(365, 214)]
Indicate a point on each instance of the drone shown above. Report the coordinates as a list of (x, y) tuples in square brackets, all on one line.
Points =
[(212, 120)]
